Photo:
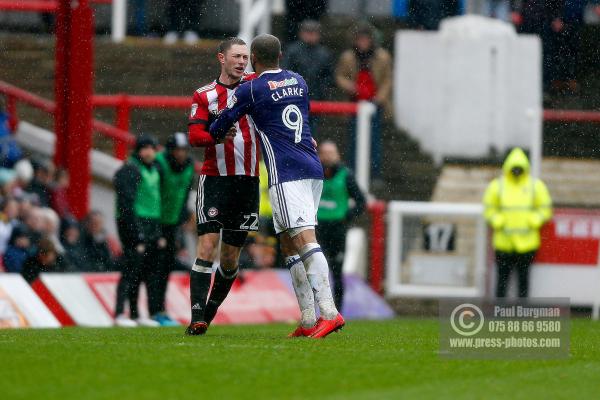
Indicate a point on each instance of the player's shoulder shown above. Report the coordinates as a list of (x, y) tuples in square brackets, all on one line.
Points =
[(283, 77), (248, 76), (296, 76), (207, 87)]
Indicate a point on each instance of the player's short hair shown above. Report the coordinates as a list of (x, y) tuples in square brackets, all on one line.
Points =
[(227, 43), (267, 49)]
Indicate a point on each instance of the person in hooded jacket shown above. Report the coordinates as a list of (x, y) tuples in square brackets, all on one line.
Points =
[(138, 213), (516, 207), (176, 169)]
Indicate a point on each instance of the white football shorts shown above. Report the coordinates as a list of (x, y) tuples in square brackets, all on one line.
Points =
[(295, 204)]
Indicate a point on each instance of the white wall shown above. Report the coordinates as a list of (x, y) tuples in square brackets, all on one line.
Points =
[(468, 87)]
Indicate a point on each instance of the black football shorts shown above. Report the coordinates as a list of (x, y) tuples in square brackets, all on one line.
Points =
[(229, 203)]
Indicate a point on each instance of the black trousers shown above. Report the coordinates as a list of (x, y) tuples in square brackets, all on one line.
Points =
[(168, 264), (140, 267), (332, 238), (505, 263)]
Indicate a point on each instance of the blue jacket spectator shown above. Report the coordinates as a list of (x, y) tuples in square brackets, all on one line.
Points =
[(10, 152), (18, 250)]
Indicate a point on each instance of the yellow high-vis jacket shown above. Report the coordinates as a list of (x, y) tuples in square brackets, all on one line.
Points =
[(516, 208)]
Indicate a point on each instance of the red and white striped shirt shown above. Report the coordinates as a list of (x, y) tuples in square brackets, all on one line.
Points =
[(239, 156)]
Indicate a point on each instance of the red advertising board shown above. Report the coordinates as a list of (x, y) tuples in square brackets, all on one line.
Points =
[(256, 297), (571, 238)]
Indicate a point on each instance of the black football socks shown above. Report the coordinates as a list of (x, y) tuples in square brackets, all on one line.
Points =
[(199, 285), (221, 287)]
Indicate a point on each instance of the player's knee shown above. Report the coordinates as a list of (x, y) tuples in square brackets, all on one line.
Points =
[(287, 245), (229, 257), (206, 247), (304, 236)]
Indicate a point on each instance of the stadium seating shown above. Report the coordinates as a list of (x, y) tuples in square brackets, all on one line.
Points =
[(570, 182)]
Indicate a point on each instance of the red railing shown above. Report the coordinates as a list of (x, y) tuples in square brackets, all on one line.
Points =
[(122, 139), (572, 116), (48, 6), (31, 5), (124, 103)]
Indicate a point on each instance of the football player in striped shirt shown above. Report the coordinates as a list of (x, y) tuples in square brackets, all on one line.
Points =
[(228, 192), (277, 104)]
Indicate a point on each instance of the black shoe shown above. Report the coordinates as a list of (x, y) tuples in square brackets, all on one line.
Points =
[(196, 328)]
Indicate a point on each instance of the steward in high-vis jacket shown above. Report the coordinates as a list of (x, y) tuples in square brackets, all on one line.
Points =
[(138, 213), (176, 169), (516, 207), (341, 202)]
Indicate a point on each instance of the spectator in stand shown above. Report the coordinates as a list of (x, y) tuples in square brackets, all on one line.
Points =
[(308, 57), (50, 228), (3, 117), (13, 180), (177, 174), (74, 253), (95, 244), (59, 199), (137, 187), (25, 205), (181, 15), (43, 260), (10, 152), (34, 222), (336, 212), (427, 14), (41, 182), (140, 27), (51, 231), (542, 18), (23, 176), (499, 9), (7, 179), (299, 10), (516, 207), (8, 221), (18, 249), (364, 73), (568, 44)]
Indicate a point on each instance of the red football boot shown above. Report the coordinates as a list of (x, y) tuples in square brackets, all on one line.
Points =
[(196, 328), (300, 331), (327, 326)]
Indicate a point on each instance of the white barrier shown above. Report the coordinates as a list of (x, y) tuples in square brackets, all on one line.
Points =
[(77, 299), (18, 301), (401, 249), (364, 116), (472, 86)]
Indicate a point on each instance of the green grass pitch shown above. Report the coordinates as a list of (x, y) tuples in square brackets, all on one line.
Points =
[(368, 360)]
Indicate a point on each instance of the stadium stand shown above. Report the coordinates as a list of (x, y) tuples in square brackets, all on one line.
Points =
[(568, 180)]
